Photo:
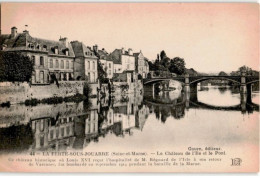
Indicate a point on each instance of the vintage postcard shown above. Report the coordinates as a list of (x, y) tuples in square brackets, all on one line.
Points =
[(129, 87)]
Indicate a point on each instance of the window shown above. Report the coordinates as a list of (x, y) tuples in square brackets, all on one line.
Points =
[(51, 134), (44, 47), (71, 65), (57, 64), (67, 64), (62, 64), (109, 65), (51, 63), (68, 130), (93, 65), (88, 64), (33, 60), (41, 61)]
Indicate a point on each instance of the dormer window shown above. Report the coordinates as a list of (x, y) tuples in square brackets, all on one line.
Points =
[(66, 51), (44, 47), (38, 46)]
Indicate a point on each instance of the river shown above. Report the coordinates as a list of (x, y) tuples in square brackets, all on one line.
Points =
[(170, 121)]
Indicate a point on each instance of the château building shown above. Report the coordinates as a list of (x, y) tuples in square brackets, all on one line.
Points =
[(85, 62), (49, 57)]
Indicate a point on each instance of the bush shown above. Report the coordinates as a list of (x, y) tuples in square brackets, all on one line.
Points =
[(15, 67), (87, 90), (6, 104), (31, 102)]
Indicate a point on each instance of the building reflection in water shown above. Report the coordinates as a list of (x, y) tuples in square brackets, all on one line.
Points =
[(73, 126), (118, 116)]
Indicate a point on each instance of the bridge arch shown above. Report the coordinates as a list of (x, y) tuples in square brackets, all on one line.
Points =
[(157, 80), (213, 78), (251, 82)]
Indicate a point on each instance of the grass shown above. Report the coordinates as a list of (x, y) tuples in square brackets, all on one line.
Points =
[(6, 104), (56, 100)]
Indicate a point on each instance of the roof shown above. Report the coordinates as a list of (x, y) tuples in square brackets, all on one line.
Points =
[(136, 54), (81, 50), (102, 54), (120, 77), (23, 41), (116, 56)]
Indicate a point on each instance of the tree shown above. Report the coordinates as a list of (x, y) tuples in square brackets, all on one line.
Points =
[(177, 65), (151, 66), (163, 54), (222, 73), (15, 67), (101, 72), (245, 69), (165, 62)]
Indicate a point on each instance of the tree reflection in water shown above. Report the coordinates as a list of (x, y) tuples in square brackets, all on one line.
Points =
[(74, 126)]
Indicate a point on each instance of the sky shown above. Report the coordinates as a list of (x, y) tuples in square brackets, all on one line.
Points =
[(211, 37)]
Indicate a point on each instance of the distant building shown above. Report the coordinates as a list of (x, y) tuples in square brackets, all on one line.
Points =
[(141, 64), (49, 57), (123, 60), (85, 62), (105, 60)]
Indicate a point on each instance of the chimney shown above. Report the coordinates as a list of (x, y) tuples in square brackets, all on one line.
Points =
[(130, 51), (64, 41), (13, 32), (123, 50), (95, 48), (26, 31)]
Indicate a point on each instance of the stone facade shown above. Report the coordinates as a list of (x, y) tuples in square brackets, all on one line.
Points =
[(123, 60), (85, 62), (106, 62), (141, 64), (19, 92), (49, 57)]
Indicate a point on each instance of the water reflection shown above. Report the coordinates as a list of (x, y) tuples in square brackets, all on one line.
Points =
[(72, 126)]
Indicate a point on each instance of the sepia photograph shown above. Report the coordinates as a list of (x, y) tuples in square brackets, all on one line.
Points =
[(129, 87)]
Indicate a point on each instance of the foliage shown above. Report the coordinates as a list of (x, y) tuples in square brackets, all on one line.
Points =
[(165, 62), (6, 104), (87, 90), (101, 72), (222, 73), (15, 67), (163, 54), (140, 77), (16, 138), (245, 69), (177, 65), (56, 100)]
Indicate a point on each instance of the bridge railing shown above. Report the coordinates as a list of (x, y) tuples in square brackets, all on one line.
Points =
[(161, 74)]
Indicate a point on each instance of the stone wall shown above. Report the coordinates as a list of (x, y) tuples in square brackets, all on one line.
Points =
[(19, 92)]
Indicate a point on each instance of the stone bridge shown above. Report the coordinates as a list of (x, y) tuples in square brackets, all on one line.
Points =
[(190, 82), (190, 101)]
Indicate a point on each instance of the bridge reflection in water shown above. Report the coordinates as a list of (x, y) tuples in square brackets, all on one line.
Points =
[(71, 126)]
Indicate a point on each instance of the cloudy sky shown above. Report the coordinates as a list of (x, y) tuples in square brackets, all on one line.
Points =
[(210, 37)]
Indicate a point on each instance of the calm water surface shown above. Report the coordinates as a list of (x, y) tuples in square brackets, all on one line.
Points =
[(215, 117)]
